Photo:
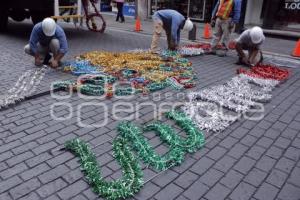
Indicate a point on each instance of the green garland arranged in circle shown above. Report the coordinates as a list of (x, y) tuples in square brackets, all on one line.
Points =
[(130, 139)]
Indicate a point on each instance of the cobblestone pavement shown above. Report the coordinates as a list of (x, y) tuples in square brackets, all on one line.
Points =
[(256, 160)]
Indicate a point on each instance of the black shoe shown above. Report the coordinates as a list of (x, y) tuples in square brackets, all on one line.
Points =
[(239, 62), (47, 59), (211, 52)]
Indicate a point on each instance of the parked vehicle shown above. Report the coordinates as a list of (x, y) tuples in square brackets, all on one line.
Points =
[(19, 10)]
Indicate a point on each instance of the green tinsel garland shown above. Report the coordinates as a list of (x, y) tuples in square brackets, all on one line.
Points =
[(63, 85), (152, 87), (124, 91), (145, 152), (128, 185), (100, 80), (190, 128), (131, 139), (91, 90)]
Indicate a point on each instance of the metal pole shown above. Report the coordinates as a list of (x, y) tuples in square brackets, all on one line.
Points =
[(155, 5), (203, 10), (240, 25), (188, 10), (136, 9), (56, 8)]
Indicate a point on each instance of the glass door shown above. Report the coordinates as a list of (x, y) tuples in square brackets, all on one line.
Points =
[(196, 9)]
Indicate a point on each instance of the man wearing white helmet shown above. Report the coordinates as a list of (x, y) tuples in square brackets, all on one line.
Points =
[(47, 37), (172, 22), (250, 40)]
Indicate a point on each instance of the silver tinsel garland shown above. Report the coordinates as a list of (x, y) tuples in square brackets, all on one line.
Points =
[(24, 87), (139, 51), (208, 116), (246, 90), (190, 51), (184, 51), (267, 84), (237, 95)]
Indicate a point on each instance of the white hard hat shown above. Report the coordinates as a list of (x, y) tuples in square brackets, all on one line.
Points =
[(188, 25), (49, 26), (257, 35)]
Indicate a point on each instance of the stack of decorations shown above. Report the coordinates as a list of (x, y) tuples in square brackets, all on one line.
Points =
[(203, 112), (80, 67), (248, 90), (127, 73), (24, 87), (130, 146)]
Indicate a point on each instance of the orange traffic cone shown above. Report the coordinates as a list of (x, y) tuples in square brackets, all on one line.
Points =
[(296, 51), (138, 25), (207, 31)]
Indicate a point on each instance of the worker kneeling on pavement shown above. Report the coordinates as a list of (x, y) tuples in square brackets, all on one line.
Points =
[(172, 22), (250, 40), (47, 37)]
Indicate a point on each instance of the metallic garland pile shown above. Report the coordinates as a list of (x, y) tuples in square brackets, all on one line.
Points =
[(236, 95), (190, 50), (24, 87), (80, 67), (130, 139), (239, 95), (185, 50), (208, 116), (266, 72), (113, 62), (146, 72), (203, 46)]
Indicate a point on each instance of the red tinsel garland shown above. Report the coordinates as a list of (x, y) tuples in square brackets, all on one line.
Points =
[(186, 82), (266, 72)]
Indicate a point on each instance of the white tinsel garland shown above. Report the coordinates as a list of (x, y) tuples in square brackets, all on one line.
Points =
[(267, 84), (139, 51), (208, 116), (24, 87), (237, 95), (190, 51)]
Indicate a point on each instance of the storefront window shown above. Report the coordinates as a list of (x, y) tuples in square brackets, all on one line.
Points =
[(283, 15), (196, 9)]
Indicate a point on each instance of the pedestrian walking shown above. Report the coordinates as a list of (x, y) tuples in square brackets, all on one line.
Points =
[(172, 22), (47, 38), (120, 4), (250, 40), (225, 16)]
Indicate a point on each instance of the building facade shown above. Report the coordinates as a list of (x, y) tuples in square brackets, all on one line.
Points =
[(199, 10), (273, 15), (282, 15)]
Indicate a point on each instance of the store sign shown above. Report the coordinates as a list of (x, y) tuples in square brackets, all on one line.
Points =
[(292, 4), (129, 10)]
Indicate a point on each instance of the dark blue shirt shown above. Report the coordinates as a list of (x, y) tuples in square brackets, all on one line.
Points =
[(38, 36)]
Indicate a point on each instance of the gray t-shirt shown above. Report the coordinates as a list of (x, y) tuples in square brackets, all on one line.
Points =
[(246, 42)]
